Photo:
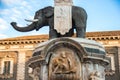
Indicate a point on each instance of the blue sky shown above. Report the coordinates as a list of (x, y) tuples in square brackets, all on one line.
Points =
[(103, 15)]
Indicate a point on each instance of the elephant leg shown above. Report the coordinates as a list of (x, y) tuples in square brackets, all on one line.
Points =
[(80, 32), (52, 34)]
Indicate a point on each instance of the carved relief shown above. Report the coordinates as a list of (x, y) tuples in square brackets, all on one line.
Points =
[(35, 73), (64, 63), (95, 76)]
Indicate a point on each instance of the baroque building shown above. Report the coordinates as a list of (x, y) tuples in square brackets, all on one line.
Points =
[(15, 52)]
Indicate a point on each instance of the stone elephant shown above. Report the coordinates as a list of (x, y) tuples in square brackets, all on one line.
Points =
[(45, 17)]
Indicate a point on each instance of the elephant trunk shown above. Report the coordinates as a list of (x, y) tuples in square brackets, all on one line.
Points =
[(23, 29)]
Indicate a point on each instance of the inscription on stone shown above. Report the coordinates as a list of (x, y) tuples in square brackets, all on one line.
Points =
[(63, 16)]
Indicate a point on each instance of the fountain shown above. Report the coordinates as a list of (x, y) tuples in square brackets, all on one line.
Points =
[(64, 57)]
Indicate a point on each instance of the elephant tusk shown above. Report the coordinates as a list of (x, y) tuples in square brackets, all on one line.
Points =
[(34, 20)]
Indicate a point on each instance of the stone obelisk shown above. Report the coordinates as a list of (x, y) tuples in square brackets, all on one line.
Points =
[(63, 16)]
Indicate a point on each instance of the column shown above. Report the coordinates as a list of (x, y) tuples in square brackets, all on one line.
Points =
[(63, 16), (119, 57), (21, 66)]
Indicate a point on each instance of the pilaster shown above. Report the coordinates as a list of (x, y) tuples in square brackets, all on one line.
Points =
[(119, 57), (21, 66)]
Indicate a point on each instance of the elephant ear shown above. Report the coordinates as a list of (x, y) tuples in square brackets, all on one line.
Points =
[(48, 11)]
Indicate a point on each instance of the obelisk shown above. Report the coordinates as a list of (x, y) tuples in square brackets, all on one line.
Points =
[(63, 16)]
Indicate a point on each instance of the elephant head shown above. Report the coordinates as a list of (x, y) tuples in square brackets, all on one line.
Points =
[(41, 19)]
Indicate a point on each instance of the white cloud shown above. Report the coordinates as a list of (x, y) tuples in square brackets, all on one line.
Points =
[(34, 33), (10, 2), (3, 36), (4, 12), (10, 14), (3, 24), (19, 15), (18, 12), (24, 3)]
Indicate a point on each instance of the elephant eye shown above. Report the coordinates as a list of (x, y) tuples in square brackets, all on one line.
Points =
[(44, 12), (37, 13)]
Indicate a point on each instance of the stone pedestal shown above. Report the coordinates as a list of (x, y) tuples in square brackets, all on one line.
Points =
[(68, 59)]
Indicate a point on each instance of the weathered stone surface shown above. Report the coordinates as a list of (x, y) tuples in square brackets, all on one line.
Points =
[(21, 66), (119, 57), (63, 16), (68, 59)]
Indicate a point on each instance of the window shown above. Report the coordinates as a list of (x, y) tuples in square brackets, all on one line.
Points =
[(6, 67), (112, 61)]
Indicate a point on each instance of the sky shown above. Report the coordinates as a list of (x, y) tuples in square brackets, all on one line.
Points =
[(103, 15)]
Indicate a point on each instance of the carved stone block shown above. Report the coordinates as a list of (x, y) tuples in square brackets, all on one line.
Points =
[(69, 59), (63, 16)]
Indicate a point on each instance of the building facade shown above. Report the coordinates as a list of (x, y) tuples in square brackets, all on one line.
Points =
[(15, 52)]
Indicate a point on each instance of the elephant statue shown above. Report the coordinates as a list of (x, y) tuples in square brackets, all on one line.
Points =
[(45, 17)]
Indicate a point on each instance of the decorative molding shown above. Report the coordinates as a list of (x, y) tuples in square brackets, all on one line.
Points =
[(63, 2), (98, 36), (6, 76), (119, 57), (112, 62)]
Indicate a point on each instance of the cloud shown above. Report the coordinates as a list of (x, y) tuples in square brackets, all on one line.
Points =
[(3, 36), (10, 2), (17, 13), (34, 33), (3, 24)]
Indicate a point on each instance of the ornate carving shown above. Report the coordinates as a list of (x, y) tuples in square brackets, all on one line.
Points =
[(6, 76), (95, 76), (60, 1), (63, 64), (35, 73)]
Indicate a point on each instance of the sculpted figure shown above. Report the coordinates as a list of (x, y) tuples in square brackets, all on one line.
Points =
[(35, 74), (62, 64), (95, 76), (45, 17)]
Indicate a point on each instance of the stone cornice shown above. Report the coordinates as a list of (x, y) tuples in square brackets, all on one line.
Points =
[(103, 33), (101, 38), (32, 37), (24, 40), (98, 36)]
